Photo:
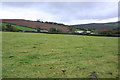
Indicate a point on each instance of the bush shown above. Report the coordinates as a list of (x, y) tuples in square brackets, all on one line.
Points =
[(38, 29), (9, 27), (54, 30), (71, 29)]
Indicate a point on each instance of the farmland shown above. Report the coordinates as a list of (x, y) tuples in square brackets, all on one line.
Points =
[(19, 27), (34, 24), (38, 55)]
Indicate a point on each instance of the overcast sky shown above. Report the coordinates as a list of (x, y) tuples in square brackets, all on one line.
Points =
[(62, 12)]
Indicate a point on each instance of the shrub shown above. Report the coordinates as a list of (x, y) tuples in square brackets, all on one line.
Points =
[(71, 29), (38, 29), (9, 27), (54, 30)]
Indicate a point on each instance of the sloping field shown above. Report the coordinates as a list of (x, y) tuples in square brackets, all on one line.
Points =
[(19, 27), (33, 24), (99, 26), (37, 55)]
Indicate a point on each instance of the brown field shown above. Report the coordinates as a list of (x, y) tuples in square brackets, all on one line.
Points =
[(34, 24)]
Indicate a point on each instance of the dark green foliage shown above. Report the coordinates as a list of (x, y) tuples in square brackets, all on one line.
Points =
[(9, 27), (71, 28), (54, 30), (38, 20), (38, 29), (55, 23), (85, 29)]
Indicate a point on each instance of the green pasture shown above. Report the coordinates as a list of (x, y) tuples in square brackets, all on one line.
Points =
[(38, 55), (19, 27)]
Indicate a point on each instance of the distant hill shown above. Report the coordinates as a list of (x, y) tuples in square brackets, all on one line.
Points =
[(48, 25), (98, 26), (34, 24)]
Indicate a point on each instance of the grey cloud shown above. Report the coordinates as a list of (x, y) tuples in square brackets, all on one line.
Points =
[(16, 4), (66, 11), (82, 10)]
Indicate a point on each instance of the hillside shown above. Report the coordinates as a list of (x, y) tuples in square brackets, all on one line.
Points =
[(34, 24), (61, 27), (18, 27), (98, 26)]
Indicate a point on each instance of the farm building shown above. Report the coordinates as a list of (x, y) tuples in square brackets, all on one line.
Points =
[(78, 31), (84, 32)]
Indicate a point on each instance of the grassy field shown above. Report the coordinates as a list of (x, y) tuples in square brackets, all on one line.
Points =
[(38, 55), (19, 27)]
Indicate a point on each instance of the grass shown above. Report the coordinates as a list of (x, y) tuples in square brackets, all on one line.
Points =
[(19, 27), (78, 30), (38, 55), (23, 28)]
